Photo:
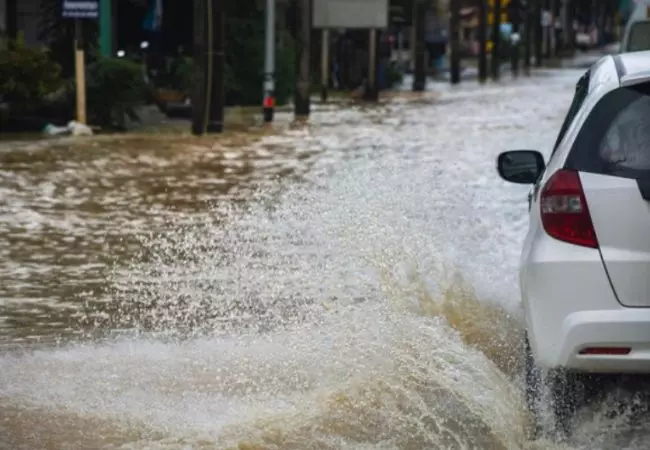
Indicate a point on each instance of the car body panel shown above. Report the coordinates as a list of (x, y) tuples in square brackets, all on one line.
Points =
[(621, 218)]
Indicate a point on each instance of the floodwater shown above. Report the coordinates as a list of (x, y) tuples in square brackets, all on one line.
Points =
[(350, 284)]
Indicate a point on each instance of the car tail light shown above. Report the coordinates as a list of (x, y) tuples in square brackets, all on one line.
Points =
[(565, 215)]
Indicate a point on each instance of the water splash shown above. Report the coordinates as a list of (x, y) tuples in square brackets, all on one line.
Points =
[(372, 305), (379, 375)]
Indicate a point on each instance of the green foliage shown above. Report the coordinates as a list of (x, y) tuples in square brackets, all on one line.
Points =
[(27, 75), (115, 88), (245, 63), (181, 74), (285, 72), (394, 76)]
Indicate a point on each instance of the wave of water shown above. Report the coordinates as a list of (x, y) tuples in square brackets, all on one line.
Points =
[(373, 306)]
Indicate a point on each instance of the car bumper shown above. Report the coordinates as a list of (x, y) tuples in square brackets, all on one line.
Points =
[(606, 328), (569, 305)]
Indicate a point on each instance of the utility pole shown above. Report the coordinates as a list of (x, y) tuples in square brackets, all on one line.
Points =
[(325, 64), (269, 63), (482, 41), (200, 92), (413, 39), (303, 47), (496, 39), (527, 35), (372, 92), (553, 28), (419, 69), (215, 124), (105, 28), (454, 26), (568, 27), (208, 96), (537, 26), (515, 19)]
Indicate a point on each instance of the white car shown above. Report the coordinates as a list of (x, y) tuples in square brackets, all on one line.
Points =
[(585, 265), (636, 35)]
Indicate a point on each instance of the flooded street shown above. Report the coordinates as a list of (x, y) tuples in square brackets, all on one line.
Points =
[(350, 284)]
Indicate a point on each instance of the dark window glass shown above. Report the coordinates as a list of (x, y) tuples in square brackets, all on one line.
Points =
[(615, 138), (582, 89), (639, 37)]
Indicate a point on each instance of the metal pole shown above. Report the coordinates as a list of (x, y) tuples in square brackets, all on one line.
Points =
[(105, 28), (496, 39), (570, 13), (199, 104), (269, 63), (537, 26), (515, 39), (482, 40), (216, 56), (528, 36), (325, 64), (80, 71), (412, 40), (372, 91), (454, 26), (302, 100), (400, 49), (419, 69), (553, 26)]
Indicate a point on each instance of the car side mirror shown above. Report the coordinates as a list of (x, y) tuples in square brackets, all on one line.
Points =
[(521, 166)]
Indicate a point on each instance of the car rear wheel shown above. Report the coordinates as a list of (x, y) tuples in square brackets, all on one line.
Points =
[(563, 392)]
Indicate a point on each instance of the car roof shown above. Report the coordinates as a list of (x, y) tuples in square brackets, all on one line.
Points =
[(632, 67)]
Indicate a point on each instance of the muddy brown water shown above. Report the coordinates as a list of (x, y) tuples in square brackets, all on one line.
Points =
[(69, 209)]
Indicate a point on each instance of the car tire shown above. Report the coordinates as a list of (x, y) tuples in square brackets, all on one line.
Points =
[(564, 389)]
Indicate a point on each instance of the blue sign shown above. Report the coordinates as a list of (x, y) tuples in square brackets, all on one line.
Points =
[(81, 9)]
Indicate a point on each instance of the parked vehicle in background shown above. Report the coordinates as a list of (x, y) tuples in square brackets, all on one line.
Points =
[(586, 257), (586, 38), (636, 36)]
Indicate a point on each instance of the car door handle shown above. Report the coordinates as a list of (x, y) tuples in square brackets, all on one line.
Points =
[(530, 200)]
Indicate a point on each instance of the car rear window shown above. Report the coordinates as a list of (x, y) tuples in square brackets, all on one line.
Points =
[(639, 37), (615, 138)]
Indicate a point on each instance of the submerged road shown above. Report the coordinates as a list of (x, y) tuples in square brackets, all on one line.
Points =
[(349, 284)]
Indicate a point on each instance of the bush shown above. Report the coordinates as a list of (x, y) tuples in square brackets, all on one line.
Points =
[(245, 63), (180, 76), (115, 88), (394, 76), (27, 75)]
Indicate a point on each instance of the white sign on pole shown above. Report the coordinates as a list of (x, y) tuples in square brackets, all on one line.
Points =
[(80, 9), (350, 13)]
